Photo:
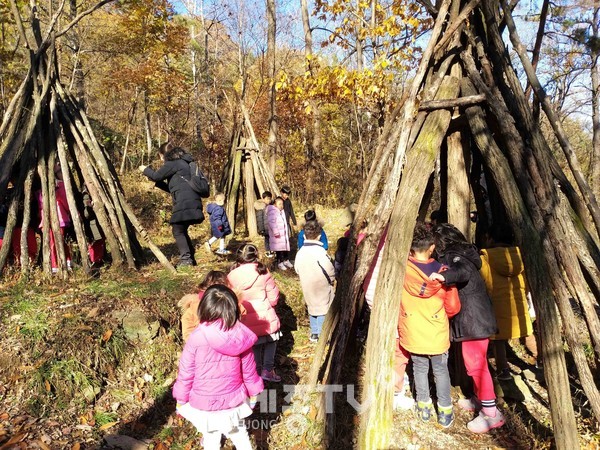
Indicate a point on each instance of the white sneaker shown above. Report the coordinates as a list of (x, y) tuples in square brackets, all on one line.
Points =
[(207, 247), (402, 401), (288, 264), (282, 266)]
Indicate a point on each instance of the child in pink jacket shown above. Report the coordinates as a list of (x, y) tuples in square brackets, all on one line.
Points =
[(279, 234), (64, 219), (217, 383), (258, 295)]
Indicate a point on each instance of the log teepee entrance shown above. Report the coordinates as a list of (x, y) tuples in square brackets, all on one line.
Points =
[(246, 174)]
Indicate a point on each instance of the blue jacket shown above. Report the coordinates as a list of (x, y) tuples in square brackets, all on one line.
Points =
[(323, 239), (219, 224)]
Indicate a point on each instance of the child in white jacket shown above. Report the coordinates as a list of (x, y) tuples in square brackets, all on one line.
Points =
[(317, 274)]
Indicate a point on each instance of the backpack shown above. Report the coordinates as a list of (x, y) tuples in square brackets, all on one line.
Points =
[(198, 181)]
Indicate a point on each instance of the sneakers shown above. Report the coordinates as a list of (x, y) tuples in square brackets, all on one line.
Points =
[(445, 416), (424, 410), (270, 375), (223, 252), (469, 404), (282, 266), (504, 375), (270, 254), (207, 247), (288, 264), (483, 423), (402, 401), (313, 338)]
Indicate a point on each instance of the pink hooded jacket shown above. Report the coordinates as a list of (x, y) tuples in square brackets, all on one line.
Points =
[(62, 206), (258, 295), (279, 237), (217, 369)]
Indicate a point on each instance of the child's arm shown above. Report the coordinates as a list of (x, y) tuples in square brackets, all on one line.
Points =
[(254, 383), (451, 302), (458, 272), (185, 375)]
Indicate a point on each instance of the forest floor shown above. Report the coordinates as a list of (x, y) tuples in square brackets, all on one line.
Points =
[(89, 363)]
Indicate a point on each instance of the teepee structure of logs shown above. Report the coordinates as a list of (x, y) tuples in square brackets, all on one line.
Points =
[(466, 99), (43, 129), (246, 174)]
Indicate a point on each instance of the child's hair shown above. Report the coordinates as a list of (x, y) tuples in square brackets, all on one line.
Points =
[(310, 215), (446, 235), (248, 254), (220, 199), (286, 190), (422, 238), (219, 302), (266, 194), (213, 277), (438, 217), (312, 230)]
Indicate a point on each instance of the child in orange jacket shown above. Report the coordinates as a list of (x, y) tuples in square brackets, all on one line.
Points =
[(423, 326), (189, 303)]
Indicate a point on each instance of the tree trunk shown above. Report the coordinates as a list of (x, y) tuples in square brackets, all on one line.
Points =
[(376, 421), (272, 72), (313, 141), (555, 122), (535, 249), (147, 127), (595, 76), (458, 196), (250, 197)]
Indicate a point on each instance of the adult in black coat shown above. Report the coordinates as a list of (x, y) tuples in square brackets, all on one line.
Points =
[(475, 322), (173, 177)]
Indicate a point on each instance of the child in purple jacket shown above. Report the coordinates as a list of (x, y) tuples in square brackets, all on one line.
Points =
[(217, 383)]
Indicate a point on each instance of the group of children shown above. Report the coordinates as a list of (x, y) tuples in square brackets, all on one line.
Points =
[(452, 293), (274, 219), (230, 329), (463, 296)]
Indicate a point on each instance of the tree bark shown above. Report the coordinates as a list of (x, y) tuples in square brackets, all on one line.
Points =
[(250, 197), (378, 383), (595, 77), (537, 258)]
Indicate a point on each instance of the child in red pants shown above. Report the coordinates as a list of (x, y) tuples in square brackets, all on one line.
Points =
[(475, 322)]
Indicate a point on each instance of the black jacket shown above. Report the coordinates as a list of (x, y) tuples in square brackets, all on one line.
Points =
[(187, 204), (288, 208), (476, 319)]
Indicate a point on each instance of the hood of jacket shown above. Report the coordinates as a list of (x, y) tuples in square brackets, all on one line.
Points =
[(467, 251), (259, 205), (211, 207), (417, 284), (505, 261), (230, 342)]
